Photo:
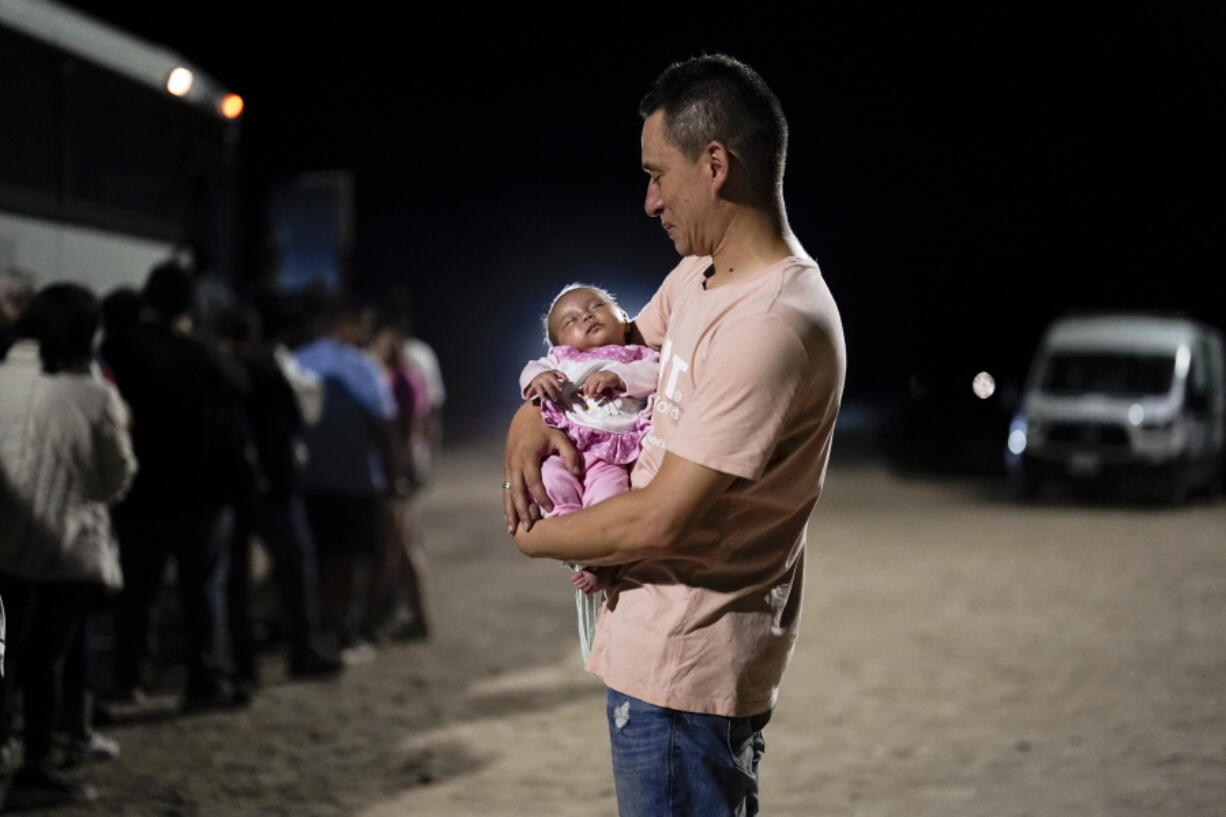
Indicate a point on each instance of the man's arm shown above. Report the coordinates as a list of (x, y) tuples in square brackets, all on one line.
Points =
[(633, 525)]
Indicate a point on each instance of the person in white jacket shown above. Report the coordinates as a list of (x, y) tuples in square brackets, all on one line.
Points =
[(65, 453)]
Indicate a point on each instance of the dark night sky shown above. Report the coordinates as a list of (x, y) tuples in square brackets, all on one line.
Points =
[(961, 179)]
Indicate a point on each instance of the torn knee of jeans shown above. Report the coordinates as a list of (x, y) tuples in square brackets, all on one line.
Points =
[(621, 715)]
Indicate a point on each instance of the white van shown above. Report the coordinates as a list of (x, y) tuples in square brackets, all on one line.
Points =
[(1129, 396)]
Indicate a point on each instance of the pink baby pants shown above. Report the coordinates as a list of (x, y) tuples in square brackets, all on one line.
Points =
[(600, 480)]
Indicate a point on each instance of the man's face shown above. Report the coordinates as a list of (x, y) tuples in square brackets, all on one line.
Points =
[(679, 191), (355, 329)]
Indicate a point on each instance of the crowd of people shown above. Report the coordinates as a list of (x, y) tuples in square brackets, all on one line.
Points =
[(194, 429)]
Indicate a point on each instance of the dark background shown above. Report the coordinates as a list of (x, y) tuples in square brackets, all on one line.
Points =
[(961, 178)]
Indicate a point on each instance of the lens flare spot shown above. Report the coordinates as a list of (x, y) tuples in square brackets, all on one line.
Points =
[(984, 385)]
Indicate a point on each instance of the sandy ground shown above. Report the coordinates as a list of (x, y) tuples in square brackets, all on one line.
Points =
[(959, 655)]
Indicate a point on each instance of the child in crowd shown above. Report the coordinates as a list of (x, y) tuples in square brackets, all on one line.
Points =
[(598, 389)]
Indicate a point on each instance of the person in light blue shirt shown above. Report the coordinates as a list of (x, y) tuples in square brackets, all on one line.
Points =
[(350, 464)]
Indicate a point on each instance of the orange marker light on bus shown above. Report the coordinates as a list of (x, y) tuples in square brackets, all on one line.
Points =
[(231, 106)]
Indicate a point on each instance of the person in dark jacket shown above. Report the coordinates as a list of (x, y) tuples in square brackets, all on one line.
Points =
[(275, 511), (185, 399)]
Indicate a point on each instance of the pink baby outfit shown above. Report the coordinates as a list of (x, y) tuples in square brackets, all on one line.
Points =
[(607, 433)]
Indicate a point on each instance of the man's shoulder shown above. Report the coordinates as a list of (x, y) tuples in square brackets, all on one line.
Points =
[(80, 386), (80, 395), (314, 349), (793, 291), (327, 355), (156, 345), (803, 301), (792, 315)]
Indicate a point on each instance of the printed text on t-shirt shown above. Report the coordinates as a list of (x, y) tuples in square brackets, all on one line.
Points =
[(674, 365)]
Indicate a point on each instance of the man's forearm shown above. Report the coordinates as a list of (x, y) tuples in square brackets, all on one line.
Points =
[(633, 525), (621, 529)]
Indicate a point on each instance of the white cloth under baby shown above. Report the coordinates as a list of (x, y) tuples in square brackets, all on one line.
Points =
[(587, 607)]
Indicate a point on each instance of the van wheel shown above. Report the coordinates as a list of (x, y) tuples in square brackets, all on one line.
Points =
[(1177, 485), (1026, 485)]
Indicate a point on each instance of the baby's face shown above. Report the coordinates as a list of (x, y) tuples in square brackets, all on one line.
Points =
[(585, 319)]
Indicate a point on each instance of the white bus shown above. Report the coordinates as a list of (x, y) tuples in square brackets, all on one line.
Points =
[(115, 153)]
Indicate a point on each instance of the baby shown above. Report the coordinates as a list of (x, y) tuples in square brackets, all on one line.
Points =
[(596, 388)]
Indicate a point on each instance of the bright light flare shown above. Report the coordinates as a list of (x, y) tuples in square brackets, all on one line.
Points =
[(1136, 414), (1017, 441), (984, 386), (1183, 357), (180, 81), (232, 106)]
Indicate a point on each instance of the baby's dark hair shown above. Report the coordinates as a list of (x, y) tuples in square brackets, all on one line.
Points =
[(550, 340)]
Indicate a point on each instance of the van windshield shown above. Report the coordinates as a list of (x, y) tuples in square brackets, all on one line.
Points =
[(1124, 375)]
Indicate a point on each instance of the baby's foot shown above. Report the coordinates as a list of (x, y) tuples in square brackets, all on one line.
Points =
[(589, 581)]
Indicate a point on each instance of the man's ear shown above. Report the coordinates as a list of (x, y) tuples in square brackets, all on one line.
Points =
[(718, 162)]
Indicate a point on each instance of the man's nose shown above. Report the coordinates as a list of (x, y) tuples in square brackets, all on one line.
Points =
[(653, 205)]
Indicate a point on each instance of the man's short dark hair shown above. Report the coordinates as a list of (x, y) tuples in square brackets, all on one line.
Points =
[(341, 310), (63, 318), (716, 98), (168, 291), (120, 310)]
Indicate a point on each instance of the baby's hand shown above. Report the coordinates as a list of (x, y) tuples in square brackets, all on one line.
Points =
[(602, 385), (548, 386), (592, 580)]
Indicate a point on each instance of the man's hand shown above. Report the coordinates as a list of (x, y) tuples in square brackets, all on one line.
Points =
[(547, 386), (529, 442), (602, 385)]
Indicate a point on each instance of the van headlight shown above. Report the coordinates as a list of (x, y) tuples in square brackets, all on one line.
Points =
[(1020, 430)]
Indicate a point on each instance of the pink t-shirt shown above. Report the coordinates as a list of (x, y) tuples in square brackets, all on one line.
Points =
[(751, 375)]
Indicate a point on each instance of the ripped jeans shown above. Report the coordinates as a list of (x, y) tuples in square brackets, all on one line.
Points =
[(668, 763)]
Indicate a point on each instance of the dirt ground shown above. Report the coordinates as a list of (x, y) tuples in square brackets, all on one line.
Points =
[(959, 655)]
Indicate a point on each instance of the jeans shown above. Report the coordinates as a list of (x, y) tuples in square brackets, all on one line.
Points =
[(43, 622), (349, 535), (284, 529), (668, 763), (148, 537)]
